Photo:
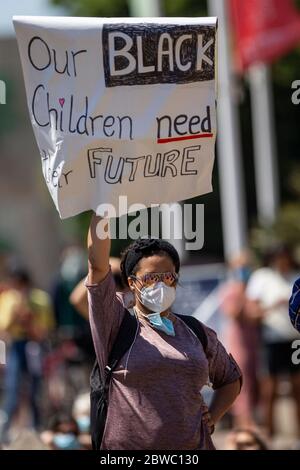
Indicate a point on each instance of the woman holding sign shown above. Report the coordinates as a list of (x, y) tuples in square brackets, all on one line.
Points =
[(154, 389)]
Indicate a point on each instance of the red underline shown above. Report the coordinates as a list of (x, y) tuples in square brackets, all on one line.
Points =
[(186, 137)]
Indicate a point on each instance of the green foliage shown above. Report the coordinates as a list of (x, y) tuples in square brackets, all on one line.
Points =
[(286, 229), (121, 7), (95, 7), (184, 7), (285, 70)]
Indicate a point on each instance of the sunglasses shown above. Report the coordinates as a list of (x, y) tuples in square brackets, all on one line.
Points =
[(169, 278)]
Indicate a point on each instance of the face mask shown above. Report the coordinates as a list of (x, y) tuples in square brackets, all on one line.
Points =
[(83, 423), (158, 298), (161, 323), (66, 441)]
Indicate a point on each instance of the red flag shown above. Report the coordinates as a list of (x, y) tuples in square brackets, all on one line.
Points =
[(264, 29)]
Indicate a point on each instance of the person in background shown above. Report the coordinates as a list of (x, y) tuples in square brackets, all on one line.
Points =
[(268, 293), (62, 434), (79, 296), (294, 305), (26, 317), (242, 336), (245, 438), (81, 414)]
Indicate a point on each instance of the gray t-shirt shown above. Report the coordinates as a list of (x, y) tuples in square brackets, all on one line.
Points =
[(154, 398)]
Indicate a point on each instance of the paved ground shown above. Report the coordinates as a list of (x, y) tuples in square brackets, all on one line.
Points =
[(286, 426)]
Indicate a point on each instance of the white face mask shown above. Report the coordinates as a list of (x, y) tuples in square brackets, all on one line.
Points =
[(157, 298)]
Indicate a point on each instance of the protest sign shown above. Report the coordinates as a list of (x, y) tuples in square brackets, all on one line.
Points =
[(121, 107)]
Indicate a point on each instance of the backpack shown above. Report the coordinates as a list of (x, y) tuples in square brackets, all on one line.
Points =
[(100, 388)]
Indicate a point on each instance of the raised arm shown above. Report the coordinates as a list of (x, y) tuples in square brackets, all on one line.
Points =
[(79, 299), (106, 312), (98, 249)]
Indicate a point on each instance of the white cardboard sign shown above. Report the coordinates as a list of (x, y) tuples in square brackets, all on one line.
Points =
[(121, 107)]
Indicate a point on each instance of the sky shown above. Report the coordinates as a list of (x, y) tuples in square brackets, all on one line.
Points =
[(8, 8)]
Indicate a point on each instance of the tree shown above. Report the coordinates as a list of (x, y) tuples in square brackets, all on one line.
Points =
[(120, 8)]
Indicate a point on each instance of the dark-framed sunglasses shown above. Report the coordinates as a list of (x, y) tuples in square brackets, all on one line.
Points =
[(148, 279)]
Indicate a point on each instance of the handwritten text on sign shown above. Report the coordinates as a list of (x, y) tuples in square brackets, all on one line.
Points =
[(121, 107)]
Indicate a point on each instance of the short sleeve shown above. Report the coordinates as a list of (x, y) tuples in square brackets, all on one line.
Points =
[(256, 285), (106, 313), (223, 369)]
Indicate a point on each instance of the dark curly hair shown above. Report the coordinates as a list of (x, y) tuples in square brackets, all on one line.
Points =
[(143, 248)]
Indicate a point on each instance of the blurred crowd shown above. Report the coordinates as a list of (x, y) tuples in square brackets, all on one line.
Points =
[(49, 353), (260, 337), (44, 385)]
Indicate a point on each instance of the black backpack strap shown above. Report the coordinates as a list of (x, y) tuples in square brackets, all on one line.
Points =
[(100, 387), (197, 327), (123, 340)]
